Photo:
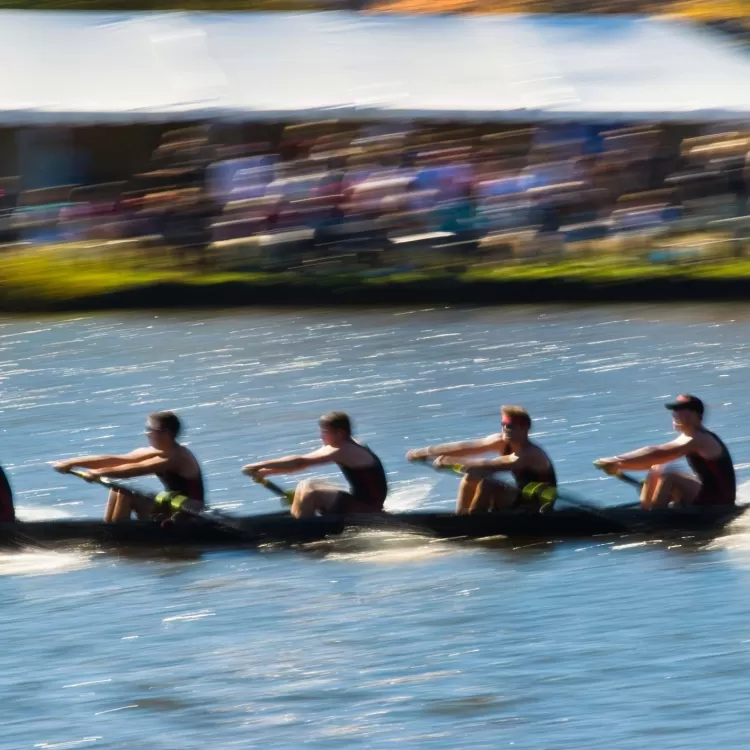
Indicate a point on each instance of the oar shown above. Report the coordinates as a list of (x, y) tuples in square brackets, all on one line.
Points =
[(287, 496), (621, 475), (171, 500), (382, 521), (539, 491), (456, 468), (547, 494), (114, 485)]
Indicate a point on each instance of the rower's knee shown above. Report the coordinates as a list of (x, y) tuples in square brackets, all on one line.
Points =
[(654, 479), (467, 490), (306, 500), (473, 482), (305, 487), (484, 489), (486, 496)]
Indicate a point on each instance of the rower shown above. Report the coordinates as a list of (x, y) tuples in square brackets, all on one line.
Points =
[(173, 464), (368, 486), (714, 482), (527, 462), (7, 510)]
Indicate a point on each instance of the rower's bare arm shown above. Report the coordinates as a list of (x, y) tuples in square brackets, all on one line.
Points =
[(500, 463), (645, 458), (290, 464), (462, 448), (101, 462), (140, 468)]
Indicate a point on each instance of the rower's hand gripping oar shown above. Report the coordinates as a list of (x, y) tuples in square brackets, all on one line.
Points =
[(456, 468), (170, 502), (112, 484), (621, 475), (287, 496)]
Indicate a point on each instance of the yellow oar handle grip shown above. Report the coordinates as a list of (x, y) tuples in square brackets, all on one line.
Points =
[(287, 496), (541, 492), (458, 468), (171, 501), (82, 474), (607, 469)]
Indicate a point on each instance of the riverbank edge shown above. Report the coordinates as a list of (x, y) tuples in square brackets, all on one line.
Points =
[(332, 292)]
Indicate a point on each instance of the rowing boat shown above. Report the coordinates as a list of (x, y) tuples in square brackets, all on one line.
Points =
[(284, 529)]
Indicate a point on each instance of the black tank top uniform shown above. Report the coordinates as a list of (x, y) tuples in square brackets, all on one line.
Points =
[(368, 485), (532, 476), (191, 487), (718, 480)]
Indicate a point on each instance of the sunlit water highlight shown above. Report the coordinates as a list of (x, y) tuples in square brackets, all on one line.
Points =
[(380, 638)]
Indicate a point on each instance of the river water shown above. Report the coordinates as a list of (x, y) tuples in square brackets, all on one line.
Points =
[(378, 640)]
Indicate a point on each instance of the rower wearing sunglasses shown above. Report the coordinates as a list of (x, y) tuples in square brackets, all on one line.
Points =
[(165, 458), (480, 491)]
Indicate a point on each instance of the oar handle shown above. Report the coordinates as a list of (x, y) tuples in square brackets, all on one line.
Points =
[(457, 468), (539, 491), (286, 495), (88, 477), (81, 474), (621, 475), (174, 502), (113, 484)]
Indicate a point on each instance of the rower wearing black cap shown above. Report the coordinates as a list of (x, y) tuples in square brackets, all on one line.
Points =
[(714, 482)]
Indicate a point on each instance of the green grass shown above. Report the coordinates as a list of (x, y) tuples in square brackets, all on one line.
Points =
[(60, 274), (49, 274), (613, 271)]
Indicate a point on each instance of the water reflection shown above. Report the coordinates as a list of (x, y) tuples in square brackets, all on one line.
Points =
[(374, 638)]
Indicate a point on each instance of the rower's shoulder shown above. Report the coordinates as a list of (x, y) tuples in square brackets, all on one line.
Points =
[(709, 441), (532, 445), (537, 455), (711, 435), (493, 442), (356, 454), (189, 457), (185, 451)]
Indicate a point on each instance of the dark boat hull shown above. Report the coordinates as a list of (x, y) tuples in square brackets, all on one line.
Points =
[(282, 528)]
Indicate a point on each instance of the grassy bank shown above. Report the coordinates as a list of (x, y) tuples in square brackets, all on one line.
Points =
[(65, 279)]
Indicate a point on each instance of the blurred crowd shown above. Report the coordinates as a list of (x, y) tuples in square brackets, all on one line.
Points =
[(328, 189)]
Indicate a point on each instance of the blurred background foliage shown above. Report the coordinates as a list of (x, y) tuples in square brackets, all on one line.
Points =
[(700, 10)]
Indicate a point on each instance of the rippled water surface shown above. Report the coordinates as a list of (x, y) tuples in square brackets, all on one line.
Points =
[(378, 640)]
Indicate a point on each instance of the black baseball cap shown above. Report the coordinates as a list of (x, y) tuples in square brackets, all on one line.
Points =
[(687, 402)]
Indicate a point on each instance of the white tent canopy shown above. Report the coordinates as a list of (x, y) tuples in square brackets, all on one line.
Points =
[(86, 68)]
